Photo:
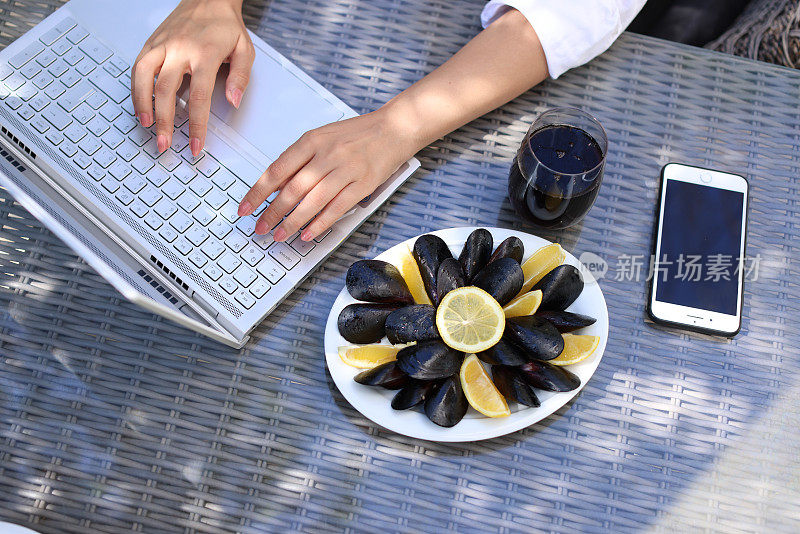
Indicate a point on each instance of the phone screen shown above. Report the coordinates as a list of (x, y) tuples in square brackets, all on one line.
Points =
[(699, 254)]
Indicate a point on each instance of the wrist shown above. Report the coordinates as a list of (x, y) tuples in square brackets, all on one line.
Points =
[(406, 127)]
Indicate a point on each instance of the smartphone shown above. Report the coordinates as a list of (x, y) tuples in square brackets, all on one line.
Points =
[(697, 276)]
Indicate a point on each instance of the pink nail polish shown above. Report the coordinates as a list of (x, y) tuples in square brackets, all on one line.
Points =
[(236, 97), (162, 143), (195, 146), (144, 119), (245, 208), (261, 228), (306, 236), (280, 234)]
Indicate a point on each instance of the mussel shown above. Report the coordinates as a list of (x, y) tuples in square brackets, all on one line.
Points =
[(416, 322), (510, 248), (476, 252), (505, 353), (449, 277), (543, 375), (387, 375), (413, 393), (430, 251), (377, 281), (540, 339), (566, 321), (560, 287), (429, 360), (508, 381), (446, 405), (364, 322), (502, 279)]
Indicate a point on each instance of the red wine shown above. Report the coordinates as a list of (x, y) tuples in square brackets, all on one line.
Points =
[(554, 182)]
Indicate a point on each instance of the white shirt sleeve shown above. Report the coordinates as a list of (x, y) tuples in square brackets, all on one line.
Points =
[(572, 32)]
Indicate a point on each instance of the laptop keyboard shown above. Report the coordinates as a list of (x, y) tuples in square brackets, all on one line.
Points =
[(75, 92)]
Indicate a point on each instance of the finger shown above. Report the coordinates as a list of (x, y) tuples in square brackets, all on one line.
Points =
[(319, 196), (241, 60), (341, 204), (201, 88), (292, 160), (290, 194), (167, 84), (142, 81)]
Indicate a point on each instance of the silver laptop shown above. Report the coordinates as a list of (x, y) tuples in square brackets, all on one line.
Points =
[(162, 229)]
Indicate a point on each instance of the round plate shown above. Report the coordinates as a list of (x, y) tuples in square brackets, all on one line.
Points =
[(374, 402)]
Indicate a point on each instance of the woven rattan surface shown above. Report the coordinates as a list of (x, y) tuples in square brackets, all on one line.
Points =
[(113, 420)]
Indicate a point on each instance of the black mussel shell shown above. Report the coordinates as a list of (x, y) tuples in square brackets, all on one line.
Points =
[(387, 375), (505, 353), (508, 381), (449, 277), (476, 252), (377, 281), (560, 287), (429, 360), (566, 321), (364, 323), (510, 248), (430, 251), (502, 279), (538, 337), (446, 405), (543, 375), (416, 322), (413, 393)]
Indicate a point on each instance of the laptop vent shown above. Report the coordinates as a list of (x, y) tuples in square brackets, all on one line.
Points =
[(169, 273), (11, 159), (149, 279), (19, 143)]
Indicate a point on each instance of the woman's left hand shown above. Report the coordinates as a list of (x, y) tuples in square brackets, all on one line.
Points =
[(327, 171)]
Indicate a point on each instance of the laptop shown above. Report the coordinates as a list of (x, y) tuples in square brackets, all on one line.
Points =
[(161, 228)]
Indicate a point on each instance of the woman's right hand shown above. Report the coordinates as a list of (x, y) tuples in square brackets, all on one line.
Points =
[(195, 39)]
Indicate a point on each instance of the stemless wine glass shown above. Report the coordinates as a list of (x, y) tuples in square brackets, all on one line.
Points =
[(558, 168)]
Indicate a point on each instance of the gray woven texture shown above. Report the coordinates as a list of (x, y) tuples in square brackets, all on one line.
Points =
[(113, 420)]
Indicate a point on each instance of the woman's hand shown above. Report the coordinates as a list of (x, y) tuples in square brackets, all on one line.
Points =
[(195, 39), (327, 171)]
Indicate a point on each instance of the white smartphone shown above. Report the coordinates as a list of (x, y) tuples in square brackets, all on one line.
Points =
[(699, 250)]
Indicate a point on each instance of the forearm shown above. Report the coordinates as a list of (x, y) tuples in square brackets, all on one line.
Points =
[(499, 64)]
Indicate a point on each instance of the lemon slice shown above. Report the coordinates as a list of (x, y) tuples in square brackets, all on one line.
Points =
[(410, 271), (525, 304), (540, 263), (576, 348), (479, 389), (470, 320), (369, 356)]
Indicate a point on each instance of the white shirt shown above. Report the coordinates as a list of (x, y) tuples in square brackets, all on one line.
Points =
[(572, 32)]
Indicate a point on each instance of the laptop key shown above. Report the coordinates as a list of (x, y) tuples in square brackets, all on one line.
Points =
[(110, 185), (109, 111), (263, 240), (73, 57), (244, 276), (150, 195), (246, 225), (236, 242), (165, 209), (84, 68), (203, 215), (138, 208), (90, 145), (76, 35), (322, 236), (58, 68), (188, 202), (55, 90), (153, 220), (26, 113), (284, 255), (82, 160), (74, 132), (169, 160), (50, 36), (223, 179), (125, 197), (134, 183), (14, 102), (200, 186), (43, 79), (172, 188), (197, 259), (55, 137), (245, 298), (228, 262), (75, 95), (184, 173), (40, 125), (61, 47), (142, 163), (213, 272), (260, 288), (30, 70), (46, 58), (196, 235), (219, 228), (112, 139), (271, 270), (213, 249), (95, 50), (252, 255), (157, 177), (109, 85), (180, 222), (127, 150), (182, 246), (68, 149), (28, 53), (104, 157), (228, 285), (168, 233), (119, 170), (96, 100)]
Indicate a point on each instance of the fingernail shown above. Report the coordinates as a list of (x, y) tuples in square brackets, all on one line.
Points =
[(280, 234), (236, 97), (306, 235), (261, 228), (145, 120), (195, 146), (245, 208), (161, 141)]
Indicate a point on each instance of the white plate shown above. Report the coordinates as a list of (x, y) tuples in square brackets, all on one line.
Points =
[(374, 402)]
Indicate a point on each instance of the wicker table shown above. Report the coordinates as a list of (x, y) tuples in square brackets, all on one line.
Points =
[(112, 419)]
